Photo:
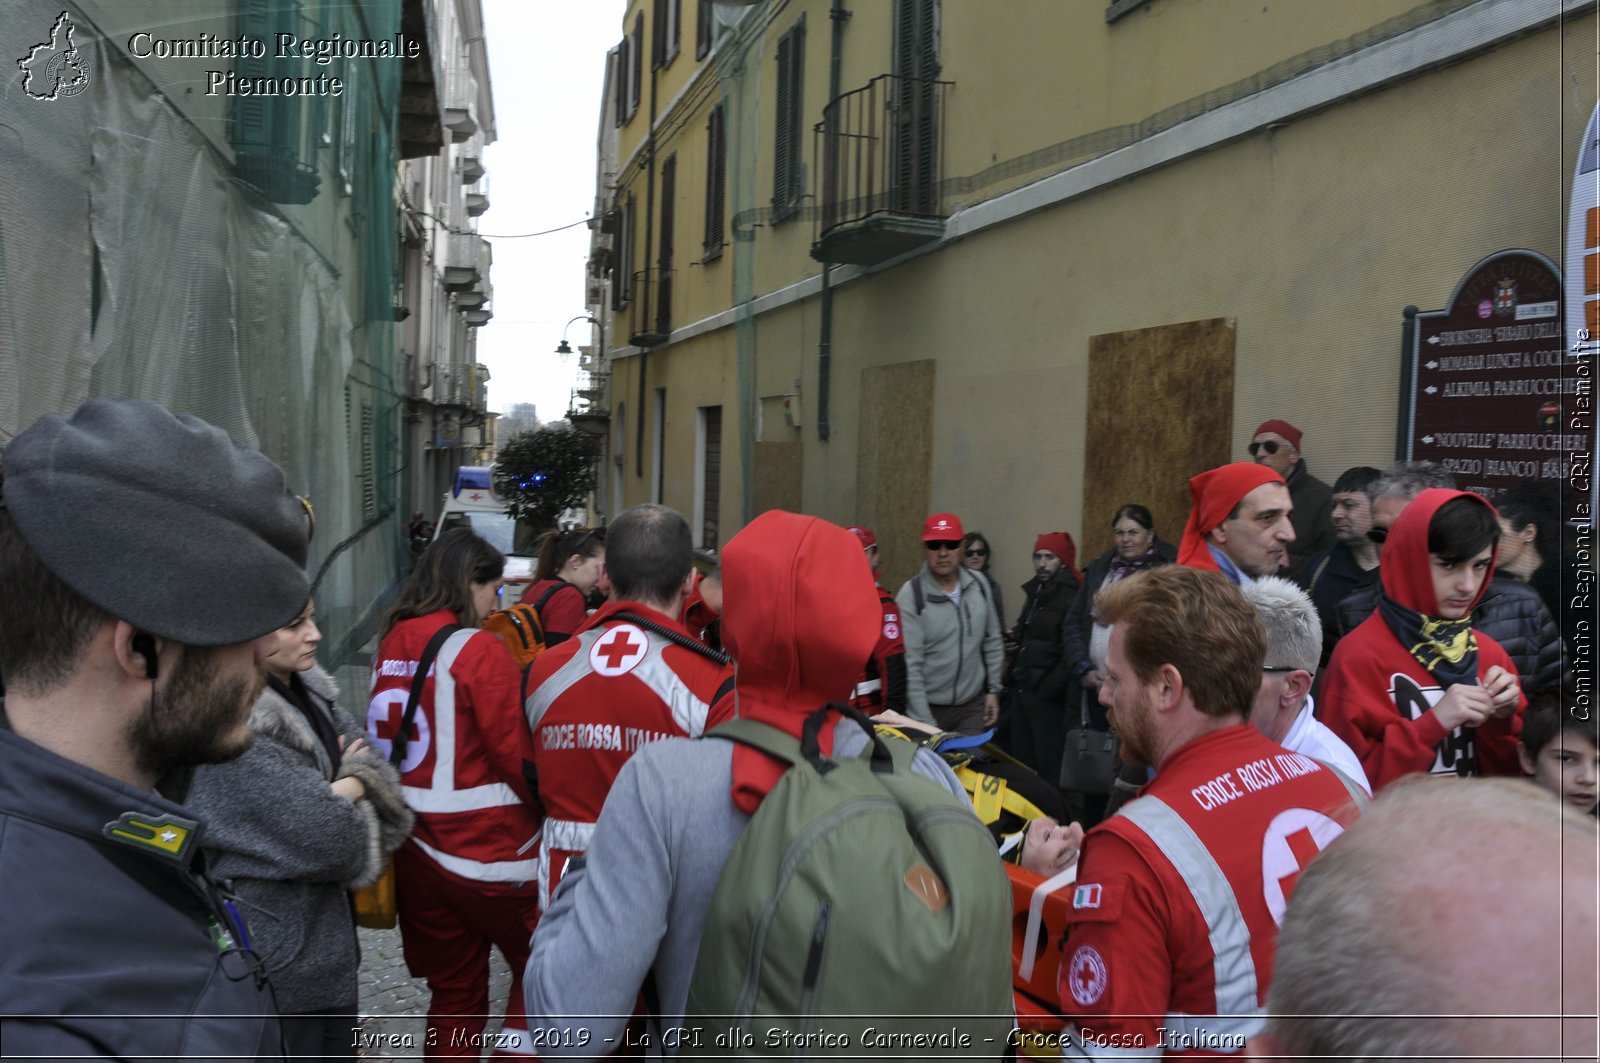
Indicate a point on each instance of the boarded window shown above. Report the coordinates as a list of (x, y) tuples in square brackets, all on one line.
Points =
[(786, 172)]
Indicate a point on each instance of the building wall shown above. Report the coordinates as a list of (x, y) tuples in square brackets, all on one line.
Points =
[(1187, 163)]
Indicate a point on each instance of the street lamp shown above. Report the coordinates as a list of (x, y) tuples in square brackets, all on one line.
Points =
[(564, 348)]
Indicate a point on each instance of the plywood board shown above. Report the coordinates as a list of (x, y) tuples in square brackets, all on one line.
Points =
[(896, 462), (779, 471), (1160, 410)]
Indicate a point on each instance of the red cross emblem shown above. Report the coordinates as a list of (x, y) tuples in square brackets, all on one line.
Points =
[(1293, 838), (1087, 975), (618, 651)]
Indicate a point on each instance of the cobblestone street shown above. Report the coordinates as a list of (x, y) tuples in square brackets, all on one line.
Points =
[(395, 1005)]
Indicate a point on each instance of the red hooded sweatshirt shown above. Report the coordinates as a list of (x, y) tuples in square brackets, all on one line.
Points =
[(1376, 695), (800, 614)]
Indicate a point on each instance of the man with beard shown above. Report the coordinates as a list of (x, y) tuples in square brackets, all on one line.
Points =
[(1175, 915), (146, 563)]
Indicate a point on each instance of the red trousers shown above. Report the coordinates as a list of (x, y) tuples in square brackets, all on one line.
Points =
[(447, 924)]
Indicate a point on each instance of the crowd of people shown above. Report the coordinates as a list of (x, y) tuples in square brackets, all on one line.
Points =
[(1194, 798)]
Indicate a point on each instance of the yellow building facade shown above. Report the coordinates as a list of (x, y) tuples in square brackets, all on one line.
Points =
[(1077, 252)]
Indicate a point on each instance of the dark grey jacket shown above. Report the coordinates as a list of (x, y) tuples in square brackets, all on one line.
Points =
[(1511, 613), (294, 849), (113, 940)]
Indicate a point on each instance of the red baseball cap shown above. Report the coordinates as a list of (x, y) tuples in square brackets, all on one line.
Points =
[(942, 527), (862, 532)]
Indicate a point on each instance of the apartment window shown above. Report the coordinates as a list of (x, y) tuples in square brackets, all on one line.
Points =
[(708, 476), (786, 179), (665, 45), (622, 258), (669, 199), (636, 61), (716, 183), (704, 28), (619, 80)]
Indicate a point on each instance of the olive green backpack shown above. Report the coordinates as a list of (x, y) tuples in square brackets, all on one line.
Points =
[(862, 911)]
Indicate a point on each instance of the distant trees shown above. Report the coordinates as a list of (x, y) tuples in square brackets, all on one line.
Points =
[(542, 472)]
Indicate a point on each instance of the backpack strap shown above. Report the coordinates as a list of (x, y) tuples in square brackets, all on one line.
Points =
[(402, 738), (916, 592), (678, 638), (781, 746), (538, 606)]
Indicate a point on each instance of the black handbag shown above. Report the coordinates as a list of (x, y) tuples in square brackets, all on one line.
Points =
[(1089, 763)]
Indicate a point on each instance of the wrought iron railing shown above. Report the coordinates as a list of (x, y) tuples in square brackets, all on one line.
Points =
[(649, 307), (880, 148)]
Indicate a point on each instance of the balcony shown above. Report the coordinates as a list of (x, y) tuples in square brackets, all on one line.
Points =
[(466, 261), (464, 385), (589, 409), (649, 307), (477, 198), (880, 149)]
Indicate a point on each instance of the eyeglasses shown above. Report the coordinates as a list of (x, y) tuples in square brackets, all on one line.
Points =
[(977, 553), (1378, 535), (1278, 668), (943, 544), (1268, 445)]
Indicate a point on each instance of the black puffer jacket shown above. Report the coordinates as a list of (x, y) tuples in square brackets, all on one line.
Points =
[(1040, 667), (1511, 613)]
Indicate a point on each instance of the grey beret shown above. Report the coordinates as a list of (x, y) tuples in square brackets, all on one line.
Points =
[(160, 520)]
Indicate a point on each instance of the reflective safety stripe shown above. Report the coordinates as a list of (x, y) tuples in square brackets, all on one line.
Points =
[(1074, 1046), (871, 686), (570, 834), (494, 795), (499, 871), (688, 711), (1212, 1033), (1233, 967)]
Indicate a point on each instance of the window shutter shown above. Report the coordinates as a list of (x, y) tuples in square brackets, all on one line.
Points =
[(635, 87), (658, 34), (703, 28), (619, 84), (716, 178), (786, 152)]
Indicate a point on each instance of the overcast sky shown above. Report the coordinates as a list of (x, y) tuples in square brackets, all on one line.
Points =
[(546, 66)]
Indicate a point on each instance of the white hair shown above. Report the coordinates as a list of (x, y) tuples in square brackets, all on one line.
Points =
[(1294, 631)]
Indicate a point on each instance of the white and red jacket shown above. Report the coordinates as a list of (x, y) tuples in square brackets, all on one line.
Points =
[(462, 774), (1174, 920), (600, 697)]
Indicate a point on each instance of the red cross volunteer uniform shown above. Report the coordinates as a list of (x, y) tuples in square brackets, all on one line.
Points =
[(600, 697), (468, 874), (1174, 919)]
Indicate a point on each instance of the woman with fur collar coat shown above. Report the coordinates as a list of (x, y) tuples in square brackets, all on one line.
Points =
[(305, 815)]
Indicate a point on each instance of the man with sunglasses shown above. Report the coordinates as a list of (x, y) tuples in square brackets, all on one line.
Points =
[(1276, 445), (954, 649)]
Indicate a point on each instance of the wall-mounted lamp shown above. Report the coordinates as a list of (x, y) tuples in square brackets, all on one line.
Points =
[(564, 348)]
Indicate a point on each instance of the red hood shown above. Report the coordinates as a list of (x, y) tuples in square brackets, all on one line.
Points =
[(1214, 494), (800, 612), (1404, 568)]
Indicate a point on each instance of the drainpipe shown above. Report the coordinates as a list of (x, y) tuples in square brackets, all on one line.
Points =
[(649, 243), (838, 16)]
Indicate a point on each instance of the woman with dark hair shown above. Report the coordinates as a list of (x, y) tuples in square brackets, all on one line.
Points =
[(1530, 540), (1085, 639), (570, 564), (975, 554), (305, 815), (468, 878)]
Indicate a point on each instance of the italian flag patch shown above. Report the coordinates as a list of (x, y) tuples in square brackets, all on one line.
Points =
[(1086, 896)]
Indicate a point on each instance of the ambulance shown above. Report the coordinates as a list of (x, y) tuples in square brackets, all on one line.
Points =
[(473, 503)]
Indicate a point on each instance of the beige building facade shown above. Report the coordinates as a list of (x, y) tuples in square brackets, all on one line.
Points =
[(1078, 252)]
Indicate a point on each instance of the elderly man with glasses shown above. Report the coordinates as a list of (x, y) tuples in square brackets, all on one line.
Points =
[(955, 655)]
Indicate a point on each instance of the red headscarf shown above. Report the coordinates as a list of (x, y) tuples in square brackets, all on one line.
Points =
[(801, 617), (1215, 493), (1061, 544)]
